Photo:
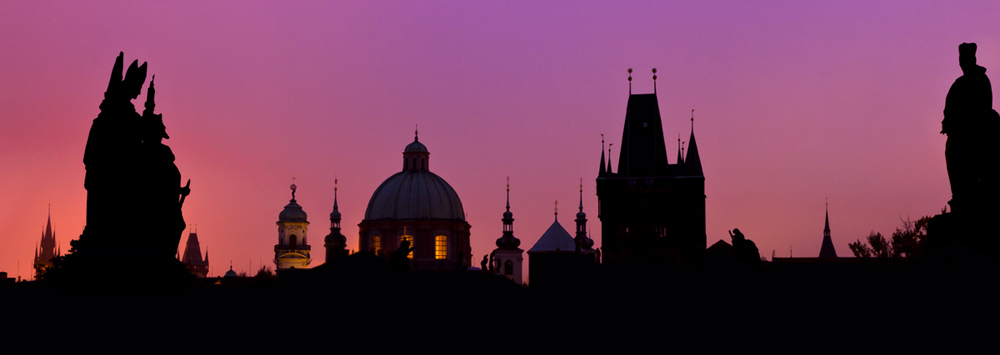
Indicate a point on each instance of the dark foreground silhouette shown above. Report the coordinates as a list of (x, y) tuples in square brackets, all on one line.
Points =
[(134, 197), (967, 236)]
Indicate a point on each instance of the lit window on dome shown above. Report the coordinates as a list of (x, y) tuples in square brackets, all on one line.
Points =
[(441, 247), (408, 238), (376, 244)]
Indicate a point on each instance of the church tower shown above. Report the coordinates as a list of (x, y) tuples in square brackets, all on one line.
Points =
[(651, 211), (335, 242), (49, 250), (192, 256), (827, 250), (507, 256), (292, 250)]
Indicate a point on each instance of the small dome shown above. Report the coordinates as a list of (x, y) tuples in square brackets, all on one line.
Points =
[(581, 215), (230, 273), (334, 215), (508, 215), (415, 147), (292, 213)]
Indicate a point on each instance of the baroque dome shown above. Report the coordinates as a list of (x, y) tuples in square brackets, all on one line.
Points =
[(412, 195), (415, 192)]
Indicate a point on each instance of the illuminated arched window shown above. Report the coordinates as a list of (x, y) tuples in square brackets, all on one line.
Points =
[(376, 244), (441, 247), (408, 238)]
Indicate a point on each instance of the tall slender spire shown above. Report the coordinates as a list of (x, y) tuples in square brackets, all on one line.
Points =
[(609, 157), (827, 250), (693, 162), (680, 156), (602, 171), (507, 240), (582, 241)]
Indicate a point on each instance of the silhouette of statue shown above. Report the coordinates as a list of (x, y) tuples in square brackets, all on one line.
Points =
[(744, 250), (484, 262), (134, 198), (398, 259), (969, 121), (134, 195), (492, 262)]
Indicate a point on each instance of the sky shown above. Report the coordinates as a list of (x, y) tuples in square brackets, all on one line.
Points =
[(796, 103)]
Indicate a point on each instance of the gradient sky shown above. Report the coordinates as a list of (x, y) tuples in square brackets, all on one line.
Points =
[(795, 102)]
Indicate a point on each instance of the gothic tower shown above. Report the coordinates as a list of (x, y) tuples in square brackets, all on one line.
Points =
[(651, 211), (192, 256), (49, 250), (292, 250), (827, 250), (507, 256)]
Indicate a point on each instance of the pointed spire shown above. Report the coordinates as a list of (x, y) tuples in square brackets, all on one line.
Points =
[(693, 161), (826, 228), (508, 194), (507, 240), (335, 194), (827, 249), (680, 151), (581, 194), (602, 171), (609, 157), (150, 94)]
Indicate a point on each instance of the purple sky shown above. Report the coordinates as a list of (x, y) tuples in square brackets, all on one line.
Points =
[(795, 102)]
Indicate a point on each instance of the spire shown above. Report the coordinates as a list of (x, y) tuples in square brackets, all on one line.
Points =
[(582, 241), (508, 241), (609, 157), (602, 171), (680, 156), (693, 161), (556, 213), (827, 250)]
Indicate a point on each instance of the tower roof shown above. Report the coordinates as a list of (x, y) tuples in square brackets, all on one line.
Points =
[(692, 163), (556, 238), (643, 152), (827, 250), (292, 212)]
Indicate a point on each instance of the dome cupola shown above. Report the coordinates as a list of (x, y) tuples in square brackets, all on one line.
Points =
[(292, 212)]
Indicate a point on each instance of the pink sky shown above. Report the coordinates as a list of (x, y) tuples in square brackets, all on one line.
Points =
[(795, 102)]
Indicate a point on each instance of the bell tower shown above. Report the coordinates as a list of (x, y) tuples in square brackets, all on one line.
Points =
[(292, 250)]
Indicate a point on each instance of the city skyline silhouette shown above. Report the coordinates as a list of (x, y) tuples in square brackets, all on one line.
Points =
[(793, 104)]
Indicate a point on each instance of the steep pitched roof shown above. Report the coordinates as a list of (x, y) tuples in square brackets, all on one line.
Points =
[(556, 238)]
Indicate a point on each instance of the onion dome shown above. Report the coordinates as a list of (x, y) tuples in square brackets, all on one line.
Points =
[(415, 192), (292, 212)]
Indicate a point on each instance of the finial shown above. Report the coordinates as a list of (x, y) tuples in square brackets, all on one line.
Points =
[(416, 132), (581, 194), (508, 193), (293, 187), (557, 209), (682, 147), (630, 81), (654, 80), (692, 120), (609, 157)]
